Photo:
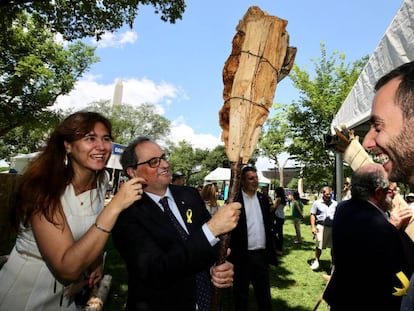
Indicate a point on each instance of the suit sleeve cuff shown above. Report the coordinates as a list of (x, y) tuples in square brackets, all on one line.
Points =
[(210, 237)]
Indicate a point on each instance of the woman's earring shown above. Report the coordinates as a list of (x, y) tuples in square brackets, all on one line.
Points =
[(65, 160)]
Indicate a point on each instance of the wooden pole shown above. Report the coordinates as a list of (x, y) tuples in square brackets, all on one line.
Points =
[(99, 294), (235, 169), (259, 59)]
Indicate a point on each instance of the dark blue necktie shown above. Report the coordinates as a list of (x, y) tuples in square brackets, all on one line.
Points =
[(203, 277)]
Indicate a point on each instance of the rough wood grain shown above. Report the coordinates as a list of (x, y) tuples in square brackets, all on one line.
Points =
[(260, 58)]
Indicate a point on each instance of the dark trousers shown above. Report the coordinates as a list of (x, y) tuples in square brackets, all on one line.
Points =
[(279, 222), (256, 271)]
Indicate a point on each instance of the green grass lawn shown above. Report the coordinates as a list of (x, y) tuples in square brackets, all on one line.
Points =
[(294, 286)]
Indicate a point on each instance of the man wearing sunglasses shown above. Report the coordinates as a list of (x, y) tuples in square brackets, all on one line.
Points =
[(168, 239)]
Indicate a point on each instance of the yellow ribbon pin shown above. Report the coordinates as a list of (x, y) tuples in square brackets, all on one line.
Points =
[(405, 283), (189, 214)]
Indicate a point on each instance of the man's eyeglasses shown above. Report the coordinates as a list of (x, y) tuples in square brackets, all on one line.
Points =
[(154, 162)]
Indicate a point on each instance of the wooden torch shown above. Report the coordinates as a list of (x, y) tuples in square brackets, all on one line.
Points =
[(260, 58)]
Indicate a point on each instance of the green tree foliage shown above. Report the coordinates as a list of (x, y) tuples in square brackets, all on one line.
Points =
[(215, 158), (34, 71), (272, 142), (79, 19), (131, 121), (196, 163), (24, 139), (128, 122), (186, 159), (293, 184), (310, 117)]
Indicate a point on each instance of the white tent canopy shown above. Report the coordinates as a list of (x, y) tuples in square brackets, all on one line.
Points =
[(20, 162), (224, 174), (395, 48)]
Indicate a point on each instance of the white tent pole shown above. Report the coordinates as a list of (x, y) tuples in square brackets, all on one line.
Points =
[(339, 175)]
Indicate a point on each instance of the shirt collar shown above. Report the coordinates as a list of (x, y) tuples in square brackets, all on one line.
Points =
[(157, 198)]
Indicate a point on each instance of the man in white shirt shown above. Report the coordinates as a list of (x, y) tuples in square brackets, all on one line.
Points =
[(321, 219), (252, 246)]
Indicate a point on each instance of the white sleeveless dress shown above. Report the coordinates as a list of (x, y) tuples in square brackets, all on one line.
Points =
[(26, 283)]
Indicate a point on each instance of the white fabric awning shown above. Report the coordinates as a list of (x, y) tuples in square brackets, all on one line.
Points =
[(20, 162), (394, 49)]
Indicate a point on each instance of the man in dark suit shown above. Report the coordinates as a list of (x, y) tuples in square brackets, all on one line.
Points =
[(168, 247), (367, 248), (252, 244), (391, 135)]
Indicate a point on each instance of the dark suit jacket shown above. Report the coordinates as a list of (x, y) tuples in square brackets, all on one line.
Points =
[(238, 241), (161, 266), (368, 252)]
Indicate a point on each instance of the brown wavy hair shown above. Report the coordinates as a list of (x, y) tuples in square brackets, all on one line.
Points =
[(209, 195), (46, 177)]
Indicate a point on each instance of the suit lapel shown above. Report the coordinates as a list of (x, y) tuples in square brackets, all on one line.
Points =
[(154, 214), (260, 197)]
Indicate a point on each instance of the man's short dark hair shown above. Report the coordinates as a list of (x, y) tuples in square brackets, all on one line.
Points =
[(247, 168), (128, 156), (177, 175)]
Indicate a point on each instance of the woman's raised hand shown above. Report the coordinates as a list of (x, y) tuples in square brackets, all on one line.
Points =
[(129, 192)]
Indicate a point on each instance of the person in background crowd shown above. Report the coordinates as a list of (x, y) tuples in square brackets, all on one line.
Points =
[(178, 179), (346, 192), (209, 195), (62, 223), (251, 244), (279, 218), (289, 198), (168, 239), (410, 200), (394, 190), (366, 278), (265, 191), (297, 215), (398, 213), (391, 134), (321, 218)]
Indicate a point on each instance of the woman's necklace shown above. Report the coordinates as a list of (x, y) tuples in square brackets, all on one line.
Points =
[(80, 201), (80, 192)]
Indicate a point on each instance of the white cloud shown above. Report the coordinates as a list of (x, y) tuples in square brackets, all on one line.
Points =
[(135, 92), (117, 39), (146, 91), (181, 131), (263, 164), (138, 91), (85, 92)]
